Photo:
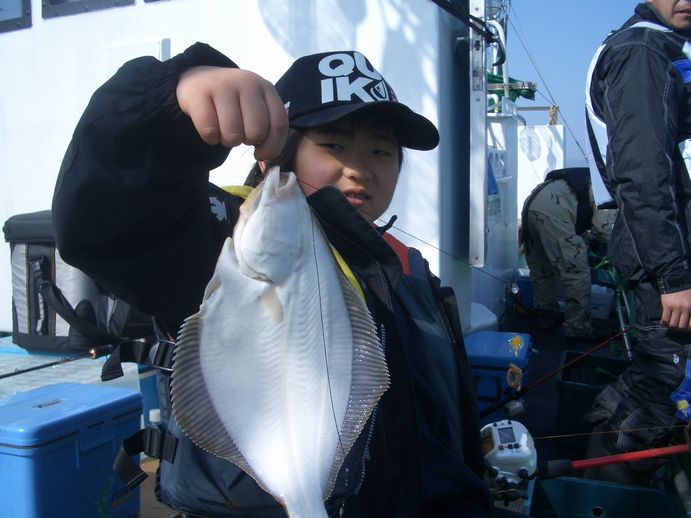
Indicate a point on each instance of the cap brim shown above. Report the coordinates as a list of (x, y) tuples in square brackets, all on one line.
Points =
[(413, 130)]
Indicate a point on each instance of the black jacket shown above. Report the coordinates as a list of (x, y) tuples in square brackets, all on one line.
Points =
[(134, 209), (640, 89)]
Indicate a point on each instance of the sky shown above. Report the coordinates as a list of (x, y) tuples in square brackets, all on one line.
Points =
[(552, 42)]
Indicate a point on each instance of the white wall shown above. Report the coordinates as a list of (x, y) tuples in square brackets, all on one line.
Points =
[(540, 150), (50, 70)]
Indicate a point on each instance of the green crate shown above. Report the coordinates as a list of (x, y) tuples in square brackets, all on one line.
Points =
[(570, 497)]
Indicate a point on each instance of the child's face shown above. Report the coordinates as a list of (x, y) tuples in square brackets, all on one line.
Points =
[(362, 162)]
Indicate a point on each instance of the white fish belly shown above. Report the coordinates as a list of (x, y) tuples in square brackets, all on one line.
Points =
[(281, 388), (264, 374)]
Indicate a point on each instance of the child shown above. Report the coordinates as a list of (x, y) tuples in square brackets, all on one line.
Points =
[(134, 209)]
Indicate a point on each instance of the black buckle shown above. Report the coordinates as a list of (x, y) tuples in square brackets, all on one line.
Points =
[(154, 442), (158, 444)]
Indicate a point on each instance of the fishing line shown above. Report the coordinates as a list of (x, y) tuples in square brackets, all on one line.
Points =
[(326, 359), (449, 254), (605, 432), (507, 284), (545, 378), (504, 282), (511, 397), (568, 364)]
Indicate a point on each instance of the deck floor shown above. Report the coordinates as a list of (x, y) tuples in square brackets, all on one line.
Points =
[(150, 507), (552, 440)]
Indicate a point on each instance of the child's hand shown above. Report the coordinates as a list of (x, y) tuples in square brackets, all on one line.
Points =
[(231, 106)]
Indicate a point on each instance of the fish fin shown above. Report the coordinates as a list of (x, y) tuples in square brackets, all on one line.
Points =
[(370, 376), (215, 282), (213, 285), (271, 302), (191, 402)]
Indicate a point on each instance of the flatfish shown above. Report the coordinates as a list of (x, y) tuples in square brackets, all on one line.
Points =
[(281, 367)]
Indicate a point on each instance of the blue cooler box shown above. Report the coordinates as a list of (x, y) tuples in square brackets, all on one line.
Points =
[(57, 446), (525, 287), (490, 353)]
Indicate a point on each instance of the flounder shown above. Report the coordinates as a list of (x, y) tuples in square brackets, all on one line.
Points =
[(281, 367)]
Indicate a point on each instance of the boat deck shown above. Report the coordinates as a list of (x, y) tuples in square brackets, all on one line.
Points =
[(150, 507)]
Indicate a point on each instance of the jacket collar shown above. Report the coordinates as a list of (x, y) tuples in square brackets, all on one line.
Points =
[(355, 239), (647, 12)]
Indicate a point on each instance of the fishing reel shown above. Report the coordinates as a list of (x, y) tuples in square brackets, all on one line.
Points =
[(515, 408), (510, 458)]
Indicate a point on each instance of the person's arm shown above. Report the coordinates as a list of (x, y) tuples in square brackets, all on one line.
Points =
[(642, 99), (131, 206)]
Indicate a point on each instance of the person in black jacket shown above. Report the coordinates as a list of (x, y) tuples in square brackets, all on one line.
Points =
[(639, 125), (133, 207)]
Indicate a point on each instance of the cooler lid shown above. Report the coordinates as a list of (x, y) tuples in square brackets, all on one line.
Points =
[(493, 348), (44, 414), (34, 227)]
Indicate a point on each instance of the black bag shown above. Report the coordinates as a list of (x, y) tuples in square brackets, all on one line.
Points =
[(56, 307)]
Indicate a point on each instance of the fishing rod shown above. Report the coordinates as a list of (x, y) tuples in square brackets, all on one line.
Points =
[(93, 353), (564, 467), (502, 402)]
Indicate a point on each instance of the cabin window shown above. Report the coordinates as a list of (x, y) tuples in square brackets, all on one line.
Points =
[(53, 8), (15, 14)]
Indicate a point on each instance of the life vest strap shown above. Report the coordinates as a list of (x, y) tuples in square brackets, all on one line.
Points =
[(152, 441)]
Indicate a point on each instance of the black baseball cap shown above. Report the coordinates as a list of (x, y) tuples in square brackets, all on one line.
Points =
[(322, 88)]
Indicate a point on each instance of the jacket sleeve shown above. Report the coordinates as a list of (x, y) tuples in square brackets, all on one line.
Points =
[(130, 206), (642, 96)]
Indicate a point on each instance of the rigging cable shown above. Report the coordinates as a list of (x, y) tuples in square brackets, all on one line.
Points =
[(550, 99)]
